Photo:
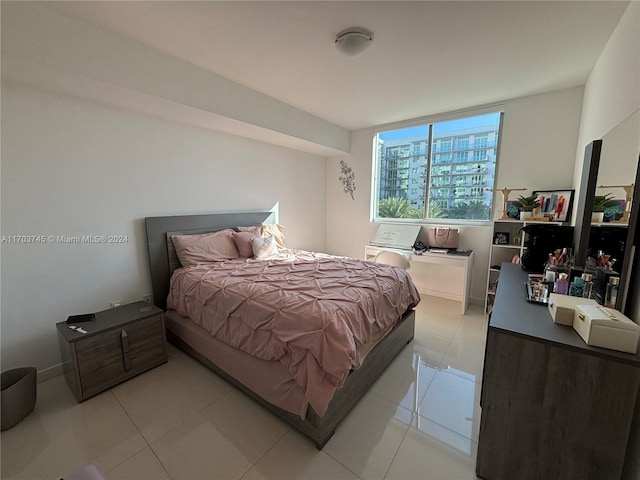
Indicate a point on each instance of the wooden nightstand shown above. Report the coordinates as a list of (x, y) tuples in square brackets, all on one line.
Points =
[(120, 343)]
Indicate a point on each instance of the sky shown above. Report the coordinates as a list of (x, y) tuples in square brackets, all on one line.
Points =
[(442, 127)]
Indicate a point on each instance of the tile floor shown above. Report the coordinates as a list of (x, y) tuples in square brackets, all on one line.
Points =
[(180, 421)]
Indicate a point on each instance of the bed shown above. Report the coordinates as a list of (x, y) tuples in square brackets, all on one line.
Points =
[(312, 390)]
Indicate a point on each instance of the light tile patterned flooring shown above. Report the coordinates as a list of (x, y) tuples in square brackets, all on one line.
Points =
[(180, 421)]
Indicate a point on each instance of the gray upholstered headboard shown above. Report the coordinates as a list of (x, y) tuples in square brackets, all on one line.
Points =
[(158, 227)]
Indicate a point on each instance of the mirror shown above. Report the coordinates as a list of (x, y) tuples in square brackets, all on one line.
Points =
[(617, 170), (618, 164)]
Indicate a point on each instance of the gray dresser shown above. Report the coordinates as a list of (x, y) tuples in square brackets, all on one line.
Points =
[(552, 406)]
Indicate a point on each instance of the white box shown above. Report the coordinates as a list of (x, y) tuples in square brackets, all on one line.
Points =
[(607, 328), (562, 307)]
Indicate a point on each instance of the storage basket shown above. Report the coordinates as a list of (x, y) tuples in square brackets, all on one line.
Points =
[(18, 396)]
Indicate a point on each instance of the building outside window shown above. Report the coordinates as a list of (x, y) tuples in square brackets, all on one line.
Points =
[(453, 162)]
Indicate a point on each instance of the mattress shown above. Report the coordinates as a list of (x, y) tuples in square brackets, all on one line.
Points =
[(269, 379), (318, 317)]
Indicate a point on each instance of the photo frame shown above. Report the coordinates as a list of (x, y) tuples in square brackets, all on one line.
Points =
[(501, 238), (555, 204)]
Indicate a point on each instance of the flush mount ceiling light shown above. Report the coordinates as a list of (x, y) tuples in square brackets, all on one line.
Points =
[(353, 41)]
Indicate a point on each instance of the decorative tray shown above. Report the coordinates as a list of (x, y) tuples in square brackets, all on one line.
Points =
[(537, 292)]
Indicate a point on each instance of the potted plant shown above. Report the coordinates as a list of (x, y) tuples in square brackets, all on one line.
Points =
[(527, 205), (600, 204)]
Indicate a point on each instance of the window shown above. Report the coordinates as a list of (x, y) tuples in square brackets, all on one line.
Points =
[(478, 180), (461, 157), (425, 156), (445, 145), (462, 143), (481, 141), (479, 155), (476, 192)]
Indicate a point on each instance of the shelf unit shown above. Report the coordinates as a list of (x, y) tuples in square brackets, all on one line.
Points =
[(515, 242)]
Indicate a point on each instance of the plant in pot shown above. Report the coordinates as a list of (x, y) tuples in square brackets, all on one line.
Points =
[(527, 205), (600, 204)]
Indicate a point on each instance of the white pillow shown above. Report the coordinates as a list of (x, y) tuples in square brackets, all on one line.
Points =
[(264, 247), (269, 230)]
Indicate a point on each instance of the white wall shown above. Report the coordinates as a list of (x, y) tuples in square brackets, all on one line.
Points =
[(75, 167), (612, 95), (538, 151), (612, 91), (46, 48)]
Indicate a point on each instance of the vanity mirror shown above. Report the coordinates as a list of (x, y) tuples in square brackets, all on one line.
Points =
[(618, 165), (617, 177), (611, 172)]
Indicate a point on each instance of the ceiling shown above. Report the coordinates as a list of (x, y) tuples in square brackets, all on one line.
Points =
[(427, 57)]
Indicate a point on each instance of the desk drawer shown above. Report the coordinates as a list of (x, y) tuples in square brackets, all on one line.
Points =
[(103, 360)]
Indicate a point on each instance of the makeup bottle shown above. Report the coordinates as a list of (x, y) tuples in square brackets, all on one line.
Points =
[(611, 294)]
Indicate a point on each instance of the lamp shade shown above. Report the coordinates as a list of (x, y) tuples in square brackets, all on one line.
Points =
[(353, 41)]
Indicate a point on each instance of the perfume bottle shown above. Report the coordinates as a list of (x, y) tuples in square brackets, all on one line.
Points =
[(587, 289), (576, 288), (611, 294), (562, 284)]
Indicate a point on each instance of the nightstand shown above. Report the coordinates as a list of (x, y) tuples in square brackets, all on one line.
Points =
[(120, 343)]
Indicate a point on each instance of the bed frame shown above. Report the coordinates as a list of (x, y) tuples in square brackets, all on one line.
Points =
[(318, 429)]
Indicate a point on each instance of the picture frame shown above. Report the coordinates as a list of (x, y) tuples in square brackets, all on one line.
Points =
[(501, 238), (556, 204)]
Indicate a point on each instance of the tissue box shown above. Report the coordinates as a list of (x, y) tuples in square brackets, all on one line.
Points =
[(562, 307), (607, 328)]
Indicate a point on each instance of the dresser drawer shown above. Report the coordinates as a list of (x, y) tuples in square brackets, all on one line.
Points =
[(113, 356)]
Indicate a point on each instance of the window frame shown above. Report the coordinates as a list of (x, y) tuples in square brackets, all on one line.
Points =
[(429, 122)]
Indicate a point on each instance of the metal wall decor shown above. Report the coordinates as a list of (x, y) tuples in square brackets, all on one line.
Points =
[(348, 178)]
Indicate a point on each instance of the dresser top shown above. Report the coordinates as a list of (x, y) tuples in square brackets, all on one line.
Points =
[(514, 314), (109, 319)]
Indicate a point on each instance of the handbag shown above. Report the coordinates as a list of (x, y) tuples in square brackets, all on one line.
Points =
[(443, 237)]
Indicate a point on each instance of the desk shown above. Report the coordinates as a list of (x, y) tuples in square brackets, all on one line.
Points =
[(452, 281)]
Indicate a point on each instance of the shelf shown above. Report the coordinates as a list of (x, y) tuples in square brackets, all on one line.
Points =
[(534, 222), (610, 224), (506, 246)]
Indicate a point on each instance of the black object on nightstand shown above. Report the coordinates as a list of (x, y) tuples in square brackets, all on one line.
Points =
[(118, 344)]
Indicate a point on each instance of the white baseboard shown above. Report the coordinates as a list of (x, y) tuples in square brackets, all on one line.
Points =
[(50, 372)]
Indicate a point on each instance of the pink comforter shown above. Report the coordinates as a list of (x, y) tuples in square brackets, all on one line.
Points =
[(317, 315)]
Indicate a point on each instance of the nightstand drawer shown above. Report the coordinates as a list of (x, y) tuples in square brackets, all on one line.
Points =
[(108, 358)]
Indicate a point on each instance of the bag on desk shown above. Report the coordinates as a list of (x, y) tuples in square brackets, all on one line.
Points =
[(442, 237)]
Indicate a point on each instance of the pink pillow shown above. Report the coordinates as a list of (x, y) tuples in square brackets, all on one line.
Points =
[(243, 243), (205, 248)]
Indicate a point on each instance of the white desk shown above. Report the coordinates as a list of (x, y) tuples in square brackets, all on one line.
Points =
[(452, 280)]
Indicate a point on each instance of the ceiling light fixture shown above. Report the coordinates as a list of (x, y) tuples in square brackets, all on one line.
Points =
[(353, 41)]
